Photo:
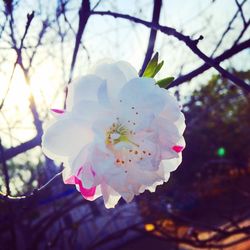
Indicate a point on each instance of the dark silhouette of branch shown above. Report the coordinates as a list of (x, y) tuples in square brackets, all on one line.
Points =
[(229, 27), (23, 147), (242, 32), (241, 11), (152, 36), (225, 55), (191, 44), (32, 194), (29, 20), (3, 26), (17, 49), (84, 13), (5, 169), (52, 220), (45, 25), (97, 4)]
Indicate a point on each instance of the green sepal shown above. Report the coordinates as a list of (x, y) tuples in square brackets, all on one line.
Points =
[(150, 69), (158, 68), (165, 82)]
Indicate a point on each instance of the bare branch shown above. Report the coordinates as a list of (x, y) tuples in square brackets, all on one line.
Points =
[(18, 50), (225, 55), (32, 194), (84, 13), (227, 29), (23, 147), (192, 44), (5, 169), (153, 33), (241, 11)]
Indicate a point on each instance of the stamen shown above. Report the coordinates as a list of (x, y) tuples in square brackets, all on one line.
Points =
[(135, 144)]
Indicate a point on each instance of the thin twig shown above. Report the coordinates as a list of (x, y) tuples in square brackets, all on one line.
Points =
[(152, 37), (241, 11), (225, 55), (33, 193), (191, 44), (84, 13), (18, 50), (227, 29), (5, 170)]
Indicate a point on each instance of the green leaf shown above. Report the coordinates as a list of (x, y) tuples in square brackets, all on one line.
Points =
[(158, 67), (150, 69), (165, 82)]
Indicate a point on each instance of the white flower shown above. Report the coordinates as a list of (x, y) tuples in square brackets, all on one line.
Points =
[(119, 136)]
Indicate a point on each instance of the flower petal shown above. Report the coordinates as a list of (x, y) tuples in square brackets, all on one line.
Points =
[(114, 77), (177, 148), (89, 111), (83, 88), (171, 110), (170, 165), (127, 70), (65, 137), (142, 93), (86, 193), (110, 196)]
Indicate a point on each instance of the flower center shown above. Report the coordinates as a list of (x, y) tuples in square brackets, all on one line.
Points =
[(125, 156), (119, 133)]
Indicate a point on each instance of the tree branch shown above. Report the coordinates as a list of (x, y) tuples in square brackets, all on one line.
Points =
[(241, 11), (23, 147), (192, 44), (225, 55), (5, 169), (84, 13), (17, 49), (229, 27), (32, 194), (153, 33)]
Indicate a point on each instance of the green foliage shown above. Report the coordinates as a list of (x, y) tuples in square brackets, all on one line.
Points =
[(218, 114), (153, 67), (158, 68), (165, 82)]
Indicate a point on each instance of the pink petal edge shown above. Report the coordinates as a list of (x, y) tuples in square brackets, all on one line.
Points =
[(86, 193), (177, 148), (58, 111)]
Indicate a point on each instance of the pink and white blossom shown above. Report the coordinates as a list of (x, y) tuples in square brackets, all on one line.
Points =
[(120, 134)]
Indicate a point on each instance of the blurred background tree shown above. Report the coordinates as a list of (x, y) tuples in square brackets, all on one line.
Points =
[(218, 120)]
